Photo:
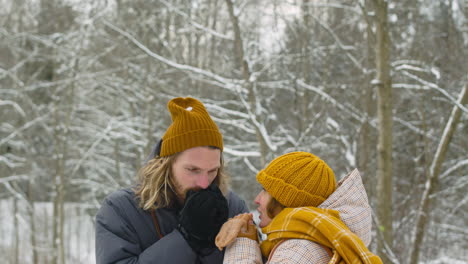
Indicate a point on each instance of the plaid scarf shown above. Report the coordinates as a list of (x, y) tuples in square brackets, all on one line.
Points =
[(322, 226)]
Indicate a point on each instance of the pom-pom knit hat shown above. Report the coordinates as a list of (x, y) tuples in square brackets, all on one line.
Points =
[(191, 127), (298, 179)]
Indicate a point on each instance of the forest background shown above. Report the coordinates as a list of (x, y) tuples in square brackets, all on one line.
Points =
[(369, 84)]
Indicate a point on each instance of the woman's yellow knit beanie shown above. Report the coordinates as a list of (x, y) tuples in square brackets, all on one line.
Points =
[(191, 127), (298, 179)]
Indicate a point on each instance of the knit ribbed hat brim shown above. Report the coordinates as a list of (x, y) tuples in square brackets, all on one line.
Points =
[(287, 194), (191, 139)]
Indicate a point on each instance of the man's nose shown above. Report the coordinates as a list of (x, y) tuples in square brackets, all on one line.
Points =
[(203, 181)]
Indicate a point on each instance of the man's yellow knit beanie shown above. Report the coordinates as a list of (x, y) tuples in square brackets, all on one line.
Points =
[(298, 179), (191, 127)]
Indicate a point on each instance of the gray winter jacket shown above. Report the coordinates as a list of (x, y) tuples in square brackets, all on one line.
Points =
[(126, 233)]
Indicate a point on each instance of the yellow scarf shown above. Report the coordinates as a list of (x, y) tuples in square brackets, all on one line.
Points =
[(322, 226)]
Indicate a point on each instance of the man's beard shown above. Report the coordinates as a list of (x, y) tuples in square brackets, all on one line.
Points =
[(182, 193)]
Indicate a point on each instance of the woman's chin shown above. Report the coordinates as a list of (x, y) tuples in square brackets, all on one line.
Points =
[(262, 223)]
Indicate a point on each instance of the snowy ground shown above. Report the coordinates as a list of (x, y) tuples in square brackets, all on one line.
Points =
[(79, 235), (447, 260)]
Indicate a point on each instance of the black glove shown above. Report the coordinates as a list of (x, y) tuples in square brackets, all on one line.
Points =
[(202, 216)]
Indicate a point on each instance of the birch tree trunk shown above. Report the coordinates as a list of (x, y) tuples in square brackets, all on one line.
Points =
[(385, 126), (431, 182)]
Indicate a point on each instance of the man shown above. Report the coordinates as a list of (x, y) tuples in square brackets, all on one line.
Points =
[(180, 200)]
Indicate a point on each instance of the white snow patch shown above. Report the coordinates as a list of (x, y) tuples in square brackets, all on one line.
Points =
[(444, 260), (78, 233)]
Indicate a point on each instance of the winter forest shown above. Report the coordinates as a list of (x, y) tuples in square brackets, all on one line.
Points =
[(378, 85)]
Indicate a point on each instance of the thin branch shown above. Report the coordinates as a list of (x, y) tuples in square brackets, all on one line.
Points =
[(343, 47), (14, 178), (24, 127), (160, 58), (195, 24), (437, 88), (14, 105)]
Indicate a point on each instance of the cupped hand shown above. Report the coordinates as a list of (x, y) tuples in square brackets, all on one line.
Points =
[(239, 226)]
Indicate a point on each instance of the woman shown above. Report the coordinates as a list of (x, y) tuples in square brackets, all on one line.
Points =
[(305, 216)]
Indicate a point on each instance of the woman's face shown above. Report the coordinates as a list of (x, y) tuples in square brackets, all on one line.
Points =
[(262, 200)]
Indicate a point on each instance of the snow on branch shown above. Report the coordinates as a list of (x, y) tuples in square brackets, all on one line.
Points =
[(454, 168), (17, 193), (69, 80), (220, 109), (182, 67), (437, 88), (240, 125), (410, 67), (460, 203), (345, 48), (90, 150), (96, 185), (15, 68), (233, 85), (333, 5), (287, 137), (413, 128), (12, 161), (360, 118), (406, 61), (14, 105), (195, 24), (24, 127), (455, 229), (238, 153), (260, 127), (250, 165), (408, 86), (13, 178), (266, 136)]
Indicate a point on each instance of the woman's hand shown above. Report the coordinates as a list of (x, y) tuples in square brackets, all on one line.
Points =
[(240, 226)]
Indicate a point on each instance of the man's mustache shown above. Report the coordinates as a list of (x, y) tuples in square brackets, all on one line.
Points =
[(194, 189)]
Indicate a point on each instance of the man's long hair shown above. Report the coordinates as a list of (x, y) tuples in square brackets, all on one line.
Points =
[(156, 187)]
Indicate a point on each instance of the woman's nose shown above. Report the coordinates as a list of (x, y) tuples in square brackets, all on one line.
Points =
[(257, 199)]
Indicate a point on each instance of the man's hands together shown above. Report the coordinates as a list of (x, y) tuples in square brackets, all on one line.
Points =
[(203, 214)]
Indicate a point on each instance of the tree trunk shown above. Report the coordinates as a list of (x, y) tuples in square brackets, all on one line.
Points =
[(366, 138), (79, 235), (302, 95), (61, 136), (246, 74), (431, 182), (213, 38), (32, 222), (59, 188), (16, 227), (385, 120)]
